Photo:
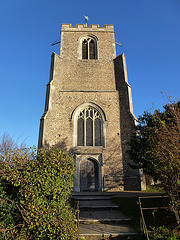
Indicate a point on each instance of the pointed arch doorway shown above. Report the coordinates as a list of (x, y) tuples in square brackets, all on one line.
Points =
[(89, 179)]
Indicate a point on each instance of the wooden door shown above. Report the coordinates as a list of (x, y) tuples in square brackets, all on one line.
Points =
[(88, 175)]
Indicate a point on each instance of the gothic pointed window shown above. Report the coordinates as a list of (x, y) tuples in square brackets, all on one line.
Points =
[(89, 48), (92, 49), (85, 49), (89, 127)]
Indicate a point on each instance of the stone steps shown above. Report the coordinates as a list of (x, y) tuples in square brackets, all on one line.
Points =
[(103, 216), (88, 196), (102, 230), (100, 217), (92, 198), (92, 194)]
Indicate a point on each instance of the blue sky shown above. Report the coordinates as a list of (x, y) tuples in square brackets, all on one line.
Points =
[(148, 29)]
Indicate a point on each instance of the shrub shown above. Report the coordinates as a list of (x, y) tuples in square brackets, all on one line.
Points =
[(164, 233), (37, 207)]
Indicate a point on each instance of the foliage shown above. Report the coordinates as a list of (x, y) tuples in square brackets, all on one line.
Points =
[(155, 147), (164, 233), (156, 213), (34, 192), (154, 220)]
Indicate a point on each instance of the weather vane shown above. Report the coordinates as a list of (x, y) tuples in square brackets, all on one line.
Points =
[(86, 19)]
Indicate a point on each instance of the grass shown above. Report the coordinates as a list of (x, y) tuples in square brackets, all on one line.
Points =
[(154, 189)]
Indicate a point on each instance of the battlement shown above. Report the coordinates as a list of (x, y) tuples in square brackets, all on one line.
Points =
[(82, 27)]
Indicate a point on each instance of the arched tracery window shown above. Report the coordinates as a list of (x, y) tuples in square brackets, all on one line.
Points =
[(89, 48), (89, 127)]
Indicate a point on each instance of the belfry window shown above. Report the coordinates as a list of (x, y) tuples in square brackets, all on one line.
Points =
[(89, 49), (85, 49), (89, 127)]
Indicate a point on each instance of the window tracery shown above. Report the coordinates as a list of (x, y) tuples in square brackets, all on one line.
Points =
[(89, 48), (89, 127)]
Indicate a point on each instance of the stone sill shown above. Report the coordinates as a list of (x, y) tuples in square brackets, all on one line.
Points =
[(88, 150)]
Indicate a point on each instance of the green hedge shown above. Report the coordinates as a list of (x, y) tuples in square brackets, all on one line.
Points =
[(34, 192)]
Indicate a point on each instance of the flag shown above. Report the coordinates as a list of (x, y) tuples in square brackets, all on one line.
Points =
[(86, 17)]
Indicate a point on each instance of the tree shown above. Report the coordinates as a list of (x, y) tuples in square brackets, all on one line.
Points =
[(34, 191), (8, 145), (155, 147)]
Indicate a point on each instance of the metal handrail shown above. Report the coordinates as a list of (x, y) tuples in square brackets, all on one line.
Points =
[(142, 215), (78, 211), (143, 221)]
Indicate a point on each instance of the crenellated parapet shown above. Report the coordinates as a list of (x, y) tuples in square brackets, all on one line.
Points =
[(83, 27)]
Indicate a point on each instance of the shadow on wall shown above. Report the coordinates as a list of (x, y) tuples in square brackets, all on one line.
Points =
[(62, 145), (117, 173), (121, 176)]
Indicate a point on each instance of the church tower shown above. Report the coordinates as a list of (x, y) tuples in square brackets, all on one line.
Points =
[(88, 109)]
